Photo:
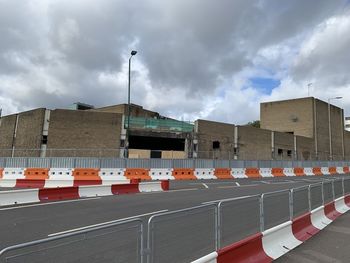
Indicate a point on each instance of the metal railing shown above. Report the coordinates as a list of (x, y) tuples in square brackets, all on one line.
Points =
[(182, 235), (77, 162)]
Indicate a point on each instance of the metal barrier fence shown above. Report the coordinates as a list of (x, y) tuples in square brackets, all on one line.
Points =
[(72, 162), (120, 240), (183, 235)]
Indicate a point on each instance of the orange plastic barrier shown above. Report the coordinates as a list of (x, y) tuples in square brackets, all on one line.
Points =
[(346, 169), (36, 173), (135, 173), (252, 172), (299, 171), (2, 169), (333, 170), (86, 174), (278, 172), (184, 174), (223, 173), (317, 171)]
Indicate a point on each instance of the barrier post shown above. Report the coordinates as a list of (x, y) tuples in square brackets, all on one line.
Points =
[(262, 221), (322, 190), (333, 191), (309, 197), (343, 188), (217, 227), (291, 204)]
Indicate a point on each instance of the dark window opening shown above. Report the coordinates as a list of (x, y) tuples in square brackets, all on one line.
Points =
[(289, 153), (122, 143), (156, 143), (290, 132), (235, 150), (280, 151), (195, 147), (156, 154), (216, 145), (44, 139)]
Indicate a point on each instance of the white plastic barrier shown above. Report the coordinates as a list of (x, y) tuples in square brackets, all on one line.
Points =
[(150, 187), (340, 205), (112, 176), (202, 173), (90, 191), (340, 170), (161, 174), (8, 182), (238, 173), (309, 171), (266, 172), (325, 170), (288, 171), (319, 219), (13, 173), (279, 240), (210, 258), (59, 177), (19, 197)]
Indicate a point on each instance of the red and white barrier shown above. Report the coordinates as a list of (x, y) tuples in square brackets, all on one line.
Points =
[(202, 173), (289, 171), (266, 172), (325, 170), (277, 241), (309, 171), (53, 194), (238, 173), (161, 174)]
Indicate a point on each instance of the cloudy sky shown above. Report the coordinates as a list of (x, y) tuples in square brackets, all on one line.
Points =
[(196, 59)]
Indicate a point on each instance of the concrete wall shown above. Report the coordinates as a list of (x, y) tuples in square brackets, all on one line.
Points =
[(295, 116), (305, 148), (70, 129), (347, 144), (322, 130), (254, 143), (206, 132), (7, 127), (283, 146)]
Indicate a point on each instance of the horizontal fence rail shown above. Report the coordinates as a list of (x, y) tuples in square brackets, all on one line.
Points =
[(81, 162), (183, 235)]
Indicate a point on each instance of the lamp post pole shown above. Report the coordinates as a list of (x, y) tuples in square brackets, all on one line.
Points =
[(329, 127), (133, 53)]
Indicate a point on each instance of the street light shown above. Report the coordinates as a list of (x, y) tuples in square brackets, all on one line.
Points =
[(329, 126), (308, 88), (133, 53)]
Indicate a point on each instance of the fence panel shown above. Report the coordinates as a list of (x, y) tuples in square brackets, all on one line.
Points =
[(118, 242), (87, 163), (161, 163), (39, 162), (264, 164), (232, 213), (237, 164), (221, 163), (112, 163), (300, 201), (327, 192), (138, 163), (182, 236), (346, 186), (276, 209), (338, 188), (62, 162), (316, 197), (203, 163), (2, 162), (183, 163), (16, 162)]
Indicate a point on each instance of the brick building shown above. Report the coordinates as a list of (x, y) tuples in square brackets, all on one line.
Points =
[(290, 130)]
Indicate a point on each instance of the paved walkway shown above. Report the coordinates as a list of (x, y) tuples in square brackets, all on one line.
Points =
[(332, 244)]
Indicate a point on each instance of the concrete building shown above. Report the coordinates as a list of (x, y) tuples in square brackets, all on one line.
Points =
[(347, 124), (290, 130)]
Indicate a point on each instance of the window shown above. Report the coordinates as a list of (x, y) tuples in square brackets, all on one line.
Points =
[(289, 153), (44, 139), (195, 147), (280, 151), (216, 145), (122, 143)]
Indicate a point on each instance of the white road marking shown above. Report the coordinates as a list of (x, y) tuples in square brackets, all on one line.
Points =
[(264, 182), (235, 186), (227, 199), (178, 190), (53, 203), (106, 223), (238, 184), (205, 185)]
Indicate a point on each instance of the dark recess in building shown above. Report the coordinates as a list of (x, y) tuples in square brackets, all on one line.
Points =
[(155, 143)]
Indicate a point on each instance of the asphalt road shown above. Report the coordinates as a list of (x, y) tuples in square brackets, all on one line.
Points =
[(25, 223)]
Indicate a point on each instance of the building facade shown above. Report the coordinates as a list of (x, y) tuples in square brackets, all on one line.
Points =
[(300, 129)]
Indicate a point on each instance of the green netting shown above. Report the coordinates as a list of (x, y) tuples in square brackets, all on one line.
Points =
[(159, 124)]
